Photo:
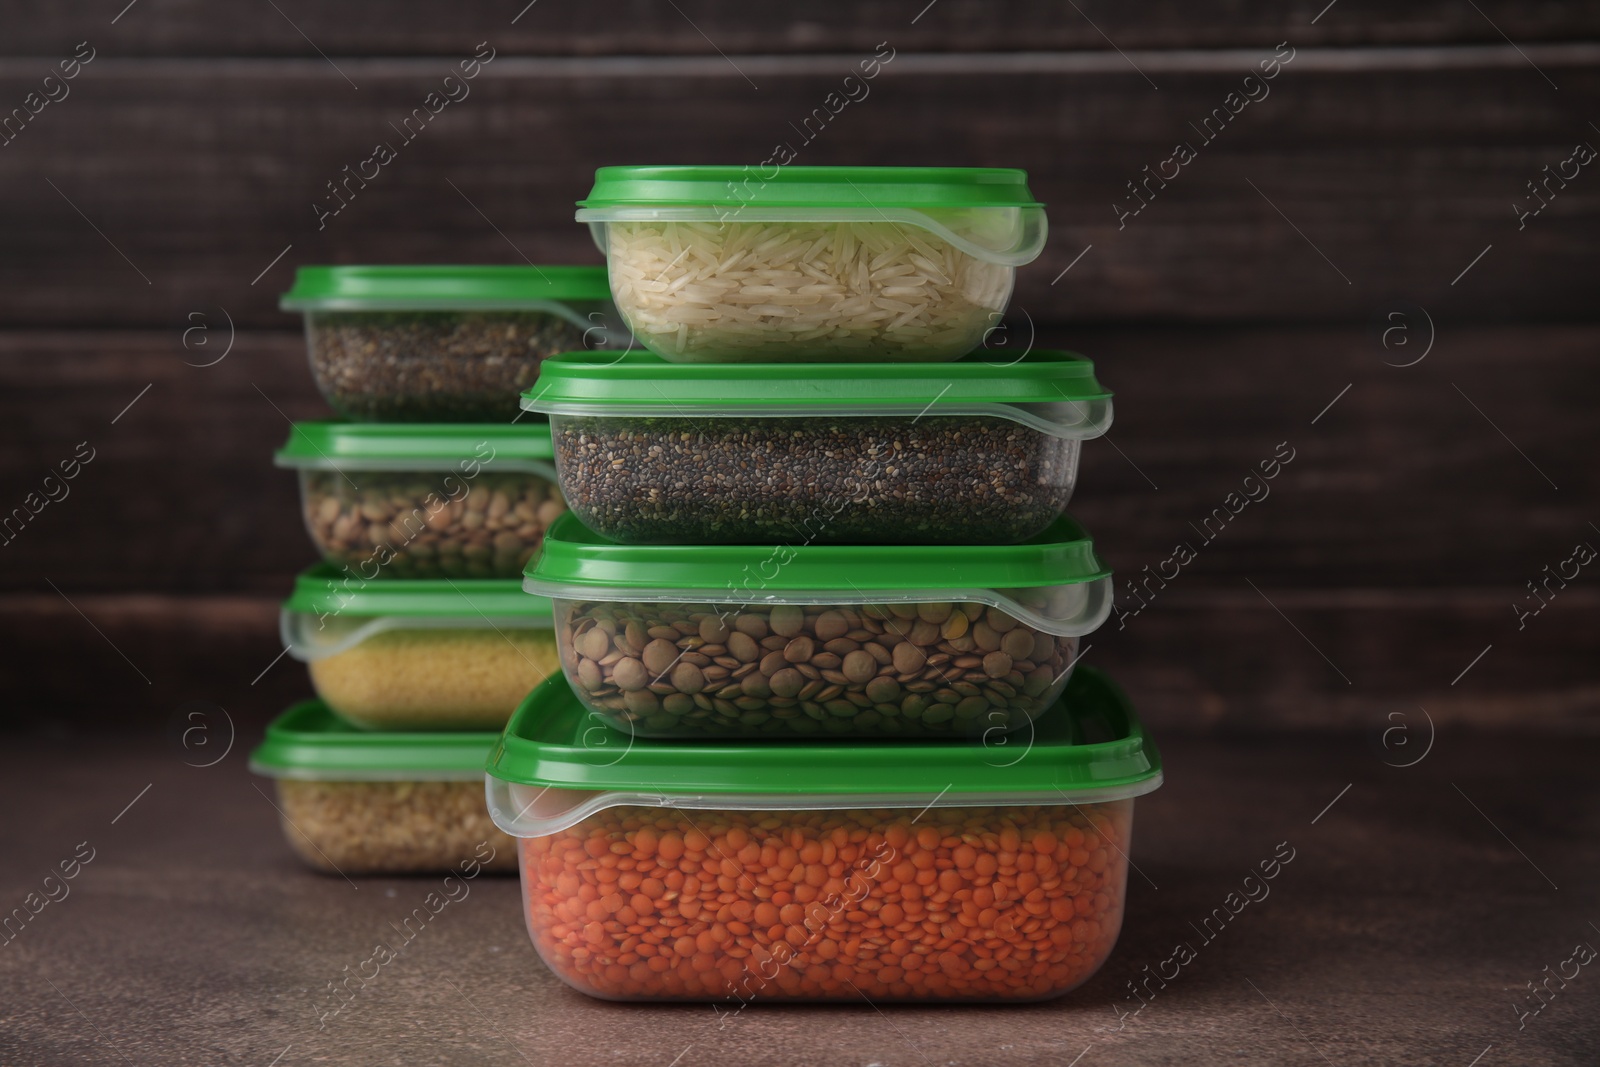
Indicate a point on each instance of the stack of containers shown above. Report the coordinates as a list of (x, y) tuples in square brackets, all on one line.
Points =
[(818, 585), (424, 505)]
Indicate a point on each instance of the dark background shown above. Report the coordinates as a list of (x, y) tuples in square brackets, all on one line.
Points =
[(1374, 188)]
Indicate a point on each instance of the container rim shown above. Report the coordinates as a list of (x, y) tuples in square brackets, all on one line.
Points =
[(443, 287), (1053, 391), (308, 742), (1089, 747)]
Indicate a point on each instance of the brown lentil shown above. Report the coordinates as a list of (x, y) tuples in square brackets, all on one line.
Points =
[(488, 528), (904, 679), (390, 827), (869, 480), (433, 366), (1016, 903)]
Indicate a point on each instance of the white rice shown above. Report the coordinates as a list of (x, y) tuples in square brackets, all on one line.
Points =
[(694, 291)]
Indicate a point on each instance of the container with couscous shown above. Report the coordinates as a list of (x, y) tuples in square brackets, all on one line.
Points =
[(419, 654)]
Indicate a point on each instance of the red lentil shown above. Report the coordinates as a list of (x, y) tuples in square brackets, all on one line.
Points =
[(994, 903)]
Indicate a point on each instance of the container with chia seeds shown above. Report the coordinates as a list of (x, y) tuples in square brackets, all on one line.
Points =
[(420, 500), (977, 451), (356, 802), (419, 654), (444, 343), (819, 640), (802, 872), (812, 263)]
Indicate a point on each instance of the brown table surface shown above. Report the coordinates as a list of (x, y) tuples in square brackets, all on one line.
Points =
[(1416, 910)]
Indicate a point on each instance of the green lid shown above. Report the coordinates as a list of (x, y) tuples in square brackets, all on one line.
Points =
[(311, 743), (1089, 748), (600, 383), (925, 188), (440, 288), (576, 562), (417, 446), (326, 589)]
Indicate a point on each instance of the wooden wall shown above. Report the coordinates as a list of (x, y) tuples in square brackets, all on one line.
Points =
[(174, 185)]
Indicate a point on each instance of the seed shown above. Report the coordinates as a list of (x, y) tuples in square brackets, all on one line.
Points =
[(787, 682), (687, 678), (908, 658), (883, 690), (434, 366), (743, 647), (629, 673), (997, 665), (636, 637), (954, 626), (860, 667), (692, 685), (829, 625), (986, 637), (751, 625), (589, 675), (641, 702), (1018, 643), (787, 620), (659, 655), (594, 643), (931, 479)]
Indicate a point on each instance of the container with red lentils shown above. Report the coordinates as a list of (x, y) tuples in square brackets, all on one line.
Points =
[(748, 871)]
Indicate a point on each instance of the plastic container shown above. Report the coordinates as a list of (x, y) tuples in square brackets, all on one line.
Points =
[(920, 453), (820, 640), (812, 263), (424, 500), (419, 654), (907, 872), (444, 343), (354, 802)]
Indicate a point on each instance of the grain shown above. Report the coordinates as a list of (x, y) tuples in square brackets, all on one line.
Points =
[(783, 291), (427, 525), (907, 680), (433, 366), (390, 827), (864, 480), (443, 679), (1014, 903)]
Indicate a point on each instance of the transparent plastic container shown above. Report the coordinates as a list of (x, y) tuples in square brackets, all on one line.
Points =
[(755, 873), (974, 452), (812, 263), (425, 500), (820, 640), (444, 343), (353, 802), (419, 654)]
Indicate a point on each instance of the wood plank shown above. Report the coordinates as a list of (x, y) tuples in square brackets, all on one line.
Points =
[(1402, 482), (1365, 174), (189, 27)]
